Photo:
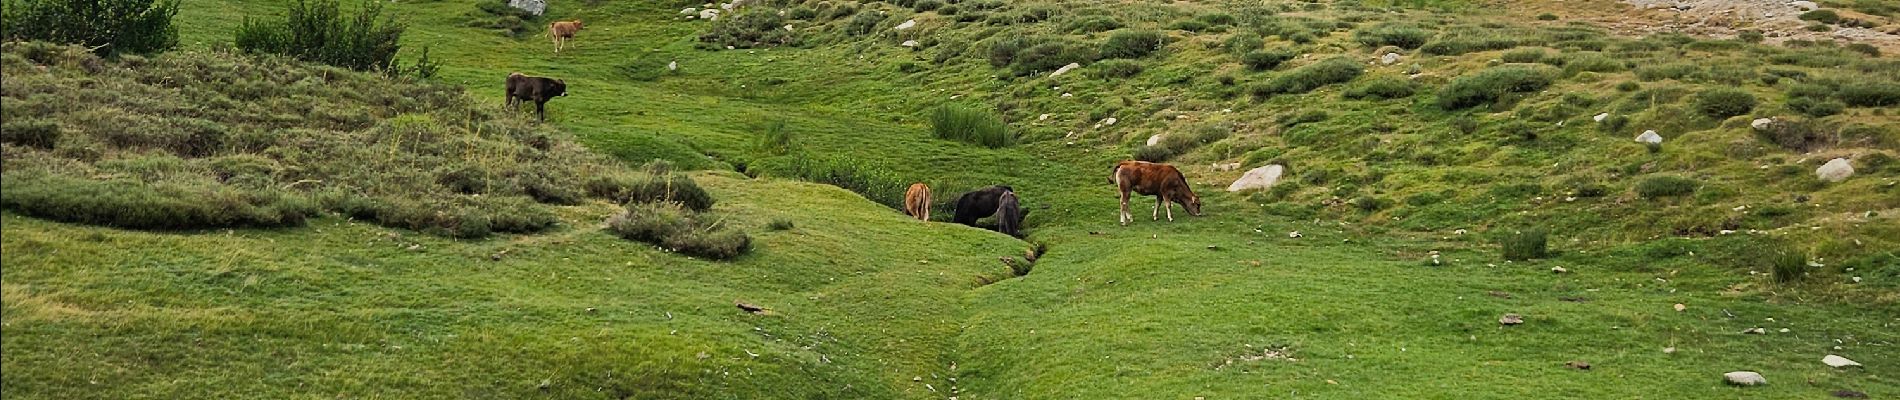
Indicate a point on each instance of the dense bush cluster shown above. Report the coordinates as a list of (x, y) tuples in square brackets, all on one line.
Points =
[(1381, 88), (1525, 245), (874, 182), (111, 26), (318, 31), (1312, 76), (970, 125), (497, 15), (1722, 103), (1390, 34), (1132, 44), (755, 27), (206, 140), (1492, 85)]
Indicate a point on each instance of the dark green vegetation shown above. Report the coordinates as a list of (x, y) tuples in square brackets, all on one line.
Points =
[(861, 302), (107, 26), (319, 31)]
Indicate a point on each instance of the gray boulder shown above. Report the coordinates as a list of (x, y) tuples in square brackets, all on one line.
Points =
[(1835, 170), (1258, 178), (1649, 137), (535, 7), (1745, 378)]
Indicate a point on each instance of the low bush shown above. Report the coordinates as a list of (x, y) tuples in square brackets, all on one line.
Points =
[(1665, 186), (133, 205), (970, 125), (1261, 60), (1796, 135), (780, 224), (1822, 16), (1869, 93), (1527, 244), (1721, 103), (1788, 263), (1523, 56), (1381, 88), (863, 23), (875, 182), (1456, 45), (1546, 17), (672, 227), (1816, 108), (1312, 76), (1863, 48), (1109, 69), (1392, 34), (1491, 85), (1679, 71), (757, 27), (318, 31), (1190, 25), (30, 132), (108, 26), (1094, 23), (926, 5), (1048, 57), (1590, 62), (1132, 44), (498, 15), (1176, 144), (1750, 36)]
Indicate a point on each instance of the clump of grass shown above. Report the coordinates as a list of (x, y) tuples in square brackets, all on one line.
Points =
[(875, 182), (1863, 48), (1795, 135), (1665, 186), (1869, 93), (106, 26), (318, 31), (1787, 263), (1523, 56), (1312, 76), (1381, 88), (1824, 16), (1392, 34), (497, 15), (1492, 85), (752, 27), (1720, 103), (1526, 244), (1261, 60), (1111, 69), (1132, 44), (775, 139), (134, 205), (1469, 43), (30, 132), (780, 224), (1094, 23), (674, 228), (1546, 17), (1175, 144), (970, 125)]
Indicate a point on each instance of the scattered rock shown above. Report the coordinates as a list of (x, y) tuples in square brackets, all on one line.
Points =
[(531, 6), (1744, 378), (1389, 58), (1755, 331), (689, 11), (1044, 117), (1761, 123), (673, 66), (1258, 178), (1601, 117), (1065, 69), (709, 14), (1511, 319), (591, 310), (1559, 270), (909, 43), (1680, 307), (1110, 121), (1294, 234), (1226, 167), (1649, 137), (1805, 5), (1152, 140), (749, 307), (498, 255), (1838, 361), (1669, 350), (1498, 294), (1835, 170), (906, 25), (1578, 365)]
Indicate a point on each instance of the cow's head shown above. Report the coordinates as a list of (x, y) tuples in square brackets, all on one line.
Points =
[(577, 24), (560, 87), (1193, 204)]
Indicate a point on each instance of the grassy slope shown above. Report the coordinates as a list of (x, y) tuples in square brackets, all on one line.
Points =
[(1143, 312)]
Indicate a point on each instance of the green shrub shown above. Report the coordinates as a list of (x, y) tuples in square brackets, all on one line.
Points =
[(1132, 44), (874, 182), (1525, 245), (970, 125), (926, 5), (1189, 25), (498, 15), (1243, 43), (1628, 86), (1261, 60), (759, 27), (1381, 88), (1116, 68), (1094, 23), (108, 26), (1678, 71), (1816, 108), (1049, 56), (1313, 76), (30, 132), (1795, 135), (675, 229), (780, 224), (1721, 103), (776, 140), (1391, 34), (317, 31), (1523, 56), (1750, 36), (1590, 62), (1178, 143), (863, 23), (1869, 93), (1863, 48), (1546, 17), (660, 184), (1457, 45), (1787, 263), (1665, 186), (133, 205), (1822, 16), (1217, 18), (1491, 85)]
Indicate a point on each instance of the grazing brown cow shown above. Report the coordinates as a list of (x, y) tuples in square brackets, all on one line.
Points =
[(1009, 215), (562, 31), (917, 201), (536, 89), (1154, 179)]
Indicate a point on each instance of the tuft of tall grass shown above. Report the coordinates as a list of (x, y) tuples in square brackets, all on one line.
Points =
[(1665, 186), (970, 125), (318, 31), (677, 229), (1720, 103), (1492, 85), (1312, 76), (1392, 34), (1525, 245)]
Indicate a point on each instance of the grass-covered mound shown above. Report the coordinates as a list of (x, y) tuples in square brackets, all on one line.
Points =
[(193, 140)]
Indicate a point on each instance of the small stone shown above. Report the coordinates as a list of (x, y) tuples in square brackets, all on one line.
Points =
[(1755, 331), (1511, 319), (1043, 117), (1744, 378), (916, 379), (1649, 137), (1601, 117), (673, 66), (1389, 58), (906, 25), (1784, 330), (1761, 123), (909, 43), (1294, 234), (1680, 307), (1669, 350), (1838, 361), (1559, 270)]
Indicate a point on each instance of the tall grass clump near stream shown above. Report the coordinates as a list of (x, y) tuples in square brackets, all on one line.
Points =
[(209, 140), (970, 125), (107, 26)]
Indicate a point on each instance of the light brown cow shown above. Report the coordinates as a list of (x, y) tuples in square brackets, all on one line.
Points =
[(1154, 179), (917, 201), (561, 32)]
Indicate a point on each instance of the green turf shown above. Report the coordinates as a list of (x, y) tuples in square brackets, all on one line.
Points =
[(865, 303)]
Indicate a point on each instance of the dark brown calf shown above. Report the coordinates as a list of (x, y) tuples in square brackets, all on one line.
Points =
[(1154, 179), (536, 89)]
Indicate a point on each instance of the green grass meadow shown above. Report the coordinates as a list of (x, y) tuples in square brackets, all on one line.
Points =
[(864, 302)]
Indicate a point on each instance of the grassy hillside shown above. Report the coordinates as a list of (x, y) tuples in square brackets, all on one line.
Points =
[(1483, 127)]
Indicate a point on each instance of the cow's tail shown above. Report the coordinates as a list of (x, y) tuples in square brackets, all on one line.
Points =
[(1115, 174)]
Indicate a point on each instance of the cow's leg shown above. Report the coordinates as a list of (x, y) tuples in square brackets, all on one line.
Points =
[(1168, 205), (541, 111), (1159, 200), (1124, 214)]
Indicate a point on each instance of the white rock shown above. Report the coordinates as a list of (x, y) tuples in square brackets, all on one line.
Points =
[(689, 11), (1838, 361), (1649, 137), (1761, 123), (1065, 69), (531, 6), (1294, 234), (673, 66), (911, 23), (910, 43), (1835, 170), (1745, 378), (1602, 116), (1259, 178), (1226, 167), (1152, 140), (709, 14), (1110, 121), (1389, 58), (1459, 232), (788, 28), (1044, 117), (1558, 270), (726, 6)]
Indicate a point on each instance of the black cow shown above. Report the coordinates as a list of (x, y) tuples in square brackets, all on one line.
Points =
[(1009, 215), (978, 204), (536, 89)]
